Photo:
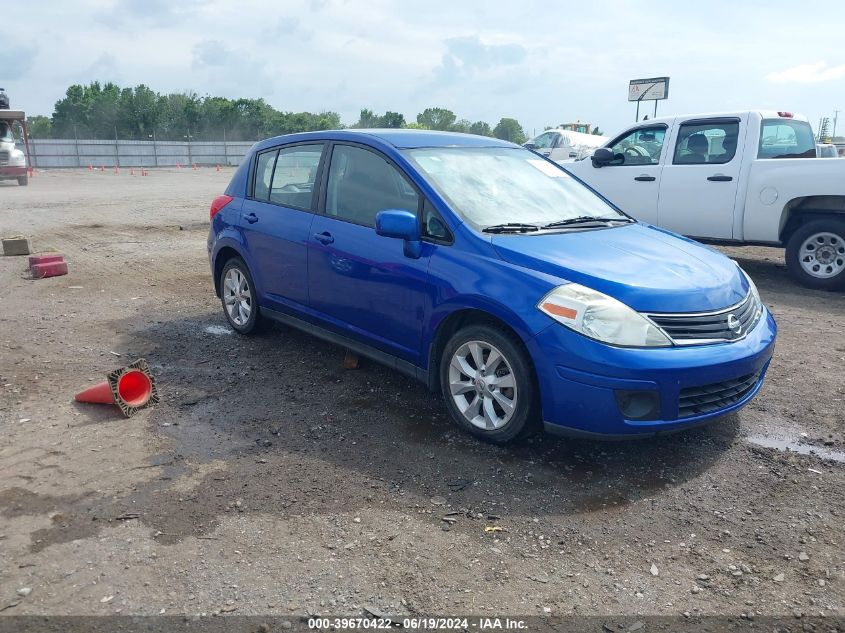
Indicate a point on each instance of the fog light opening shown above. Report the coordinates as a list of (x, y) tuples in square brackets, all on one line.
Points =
[(638, 405)]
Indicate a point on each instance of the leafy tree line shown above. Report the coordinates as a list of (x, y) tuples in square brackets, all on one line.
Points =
[(108, 111)]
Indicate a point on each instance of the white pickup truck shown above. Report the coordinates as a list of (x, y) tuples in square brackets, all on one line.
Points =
[(734, 178)]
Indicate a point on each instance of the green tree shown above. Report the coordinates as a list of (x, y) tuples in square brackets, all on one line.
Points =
[(393, 119), (39, 126), (509, 130), (436, 119), (481, 128)]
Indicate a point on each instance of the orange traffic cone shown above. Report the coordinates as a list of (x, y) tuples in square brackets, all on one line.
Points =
[(178, 166), (132, 171), (102, 168), (194, 166), (130, 388), (90, 167), (218, 167)]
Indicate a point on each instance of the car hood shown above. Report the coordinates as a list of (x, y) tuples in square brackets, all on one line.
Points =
[(645, 267)]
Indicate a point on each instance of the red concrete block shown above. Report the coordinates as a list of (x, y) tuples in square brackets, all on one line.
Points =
[(49, 269), (45, 259)]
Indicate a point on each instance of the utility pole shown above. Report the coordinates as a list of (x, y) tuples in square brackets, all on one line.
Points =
[(835, 116)]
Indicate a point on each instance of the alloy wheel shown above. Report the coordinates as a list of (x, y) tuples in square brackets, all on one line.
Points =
[(482, 385), (237, 297)]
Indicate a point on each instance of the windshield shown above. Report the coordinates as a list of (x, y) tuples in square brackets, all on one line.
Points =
[(490, 186), (6, 132)]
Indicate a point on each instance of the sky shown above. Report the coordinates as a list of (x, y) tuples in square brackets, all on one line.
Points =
[(542, 62)]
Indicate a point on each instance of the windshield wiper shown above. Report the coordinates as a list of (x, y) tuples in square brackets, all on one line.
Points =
[(511, 227), (586, 219)]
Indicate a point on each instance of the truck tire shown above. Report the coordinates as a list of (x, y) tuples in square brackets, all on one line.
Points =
[(815, 254), (23, 181)]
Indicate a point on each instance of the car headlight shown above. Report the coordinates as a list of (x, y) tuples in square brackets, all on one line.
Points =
[(600, 317), (755, 297)]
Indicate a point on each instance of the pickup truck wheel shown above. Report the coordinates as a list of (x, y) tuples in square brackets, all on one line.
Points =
[(488, 383), (23, 181), (815, 254)]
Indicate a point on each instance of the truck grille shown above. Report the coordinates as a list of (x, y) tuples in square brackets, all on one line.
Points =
[(700, 400), (724, 325), (4, 157)]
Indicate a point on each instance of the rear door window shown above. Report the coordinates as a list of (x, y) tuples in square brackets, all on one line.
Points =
[(294, 176), (707, 142)]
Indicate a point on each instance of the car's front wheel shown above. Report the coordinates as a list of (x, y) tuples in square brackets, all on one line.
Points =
[(488, 384), (815, 254), (237, 294)]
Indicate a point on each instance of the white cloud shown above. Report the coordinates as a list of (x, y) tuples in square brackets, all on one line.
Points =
[(808, 73)]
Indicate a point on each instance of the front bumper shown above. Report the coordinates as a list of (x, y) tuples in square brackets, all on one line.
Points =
[(579, 379), (10, 171)]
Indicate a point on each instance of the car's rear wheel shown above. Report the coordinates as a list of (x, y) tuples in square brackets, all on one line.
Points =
[(23, 181), (237, 294), (488, 384), (815, 254)]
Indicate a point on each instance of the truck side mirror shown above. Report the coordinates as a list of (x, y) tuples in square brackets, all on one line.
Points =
[(531, 146), (602, 156)]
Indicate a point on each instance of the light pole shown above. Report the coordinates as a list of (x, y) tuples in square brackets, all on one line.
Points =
[(155, 147), (835, 116), (188, 138)]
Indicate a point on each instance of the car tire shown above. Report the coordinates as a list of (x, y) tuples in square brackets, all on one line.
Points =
[(238, 297), (500, 402), (23, 181), (815, 254)]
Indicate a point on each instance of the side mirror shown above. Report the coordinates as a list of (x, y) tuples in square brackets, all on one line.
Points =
[(531, 146), (602, 156), (573, 155), (403, 225)]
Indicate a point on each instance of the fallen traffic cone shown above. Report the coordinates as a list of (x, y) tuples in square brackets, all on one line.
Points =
[(130, 388)]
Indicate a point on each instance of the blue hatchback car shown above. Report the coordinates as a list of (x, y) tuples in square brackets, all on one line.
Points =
[(493, 276)]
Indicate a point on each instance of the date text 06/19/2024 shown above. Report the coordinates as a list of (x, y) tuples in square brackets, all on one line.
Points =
[(419, 623)]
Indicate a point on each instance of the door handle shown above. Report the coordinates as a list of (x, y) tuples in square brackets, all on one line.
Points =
[(720, 178), (251, 218), (645, 178), (324, 238)]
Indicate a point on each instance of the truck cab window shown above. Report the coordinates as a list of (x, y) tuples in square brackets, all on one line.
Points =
[(704, 143), (786, 138), (642, 146)]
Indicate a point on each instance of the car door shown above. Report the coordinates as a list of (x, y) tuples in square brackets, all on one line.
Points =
[(699, 186), (276, 219), (362, 284), (632, 180)]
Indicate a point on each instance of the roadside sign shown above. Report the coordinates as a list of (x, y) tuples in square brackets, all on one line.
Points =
[(653, 89)]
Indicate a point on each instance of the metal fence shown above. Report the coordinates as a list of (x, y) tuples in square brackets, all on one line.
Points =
[(47, 153)]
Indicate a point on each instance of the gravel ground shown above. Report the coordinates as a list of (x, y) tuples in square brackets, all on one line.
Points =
[(271, 481)]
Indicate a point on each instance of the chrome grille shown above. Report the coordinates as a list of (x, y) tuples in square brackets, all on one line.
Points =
[(700, 400), (729, 324), (4, 157)]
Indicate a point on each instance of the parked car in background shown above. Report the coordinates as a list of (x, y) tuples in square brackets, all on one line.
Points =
[(733, 178), (492, 276), (827, 150), (13, 164), (562, 145), (4, 100)]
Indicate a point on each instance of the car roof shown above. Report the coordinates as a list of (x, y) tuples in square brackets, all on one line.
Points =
[(399, 138)]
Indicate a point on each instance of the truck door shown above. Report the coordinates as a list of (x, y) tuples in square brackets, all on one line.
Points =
[(632, 180), (701, 176)]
